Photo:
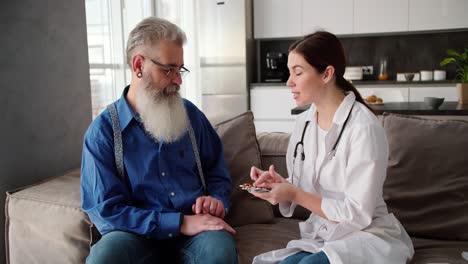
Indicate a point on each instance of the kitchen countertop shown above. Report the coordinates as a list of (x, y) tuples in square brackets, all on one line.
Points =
[(390, 83), (405, 83), (409, 108)]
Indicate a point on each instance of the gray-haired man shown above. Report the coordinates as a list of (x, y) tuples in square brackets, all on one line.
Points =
[(154, 180)]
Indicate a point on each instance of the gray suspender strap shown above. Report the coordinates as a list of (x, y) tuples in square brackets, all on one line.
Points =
[(197, 156), (118, 146)]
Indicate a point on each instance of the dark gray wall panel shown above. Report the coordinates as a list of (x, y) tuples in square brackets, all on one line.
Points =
[(45, 101)]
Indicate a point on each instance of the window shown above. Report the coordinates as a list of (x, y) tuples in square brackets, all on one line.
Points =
[(108, 24)]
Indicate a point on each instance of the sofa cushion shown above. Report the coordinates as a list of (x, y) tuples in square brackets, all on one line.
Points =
[(253, 240), (45, 223), (427, 181), (438, 251), (273, 147), (241, 152)]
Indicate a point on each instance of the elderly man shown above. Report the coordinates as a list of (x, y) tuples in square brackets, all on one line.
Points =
[(154, 181)]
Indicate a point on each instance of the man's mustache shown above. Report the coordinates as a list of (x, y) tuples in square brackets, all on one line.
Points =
[(170, 90)]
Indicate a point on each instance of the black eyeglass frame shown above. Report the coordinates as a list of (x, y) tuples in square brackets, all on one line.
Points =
[(182, 72)]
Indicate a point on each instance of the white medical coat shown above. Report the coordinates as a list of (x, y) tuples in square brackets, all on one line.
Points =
[(359, 229)]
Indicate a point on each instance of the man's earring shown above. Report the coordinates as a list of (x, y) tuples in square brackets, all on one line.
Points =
[(139, 74)]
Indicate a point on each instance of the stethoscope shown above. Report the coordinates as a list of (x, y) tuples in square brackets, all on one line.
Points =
[(330, 155)]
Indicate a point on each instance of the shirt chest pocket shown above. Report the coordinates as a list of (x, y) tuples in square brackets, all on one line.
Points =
[(180, 156), (332, 175)]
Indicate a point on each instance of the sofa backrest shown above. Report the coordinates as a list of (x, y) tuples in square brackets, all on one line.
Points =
[(427, 176), (273, 146)]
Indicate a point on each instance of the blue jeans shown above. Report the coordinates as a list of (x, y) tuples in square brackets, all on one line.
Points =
[(306, 258), (121, 247)]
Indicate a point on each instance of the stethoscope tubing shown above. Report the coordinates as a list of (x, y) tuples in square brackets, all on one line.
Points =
[(330, 154)]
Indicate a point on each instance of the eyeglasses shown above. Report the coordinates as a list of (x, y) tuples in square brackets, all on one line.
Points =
[(171, 71)]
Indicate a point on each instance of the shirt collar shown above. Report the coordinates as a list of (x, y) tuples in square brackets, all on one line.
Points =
[(343, 110), (126, 112), (340, 114)]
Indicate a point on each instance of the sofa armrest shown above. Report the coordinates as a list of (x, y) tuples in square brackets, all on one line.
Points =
[(45, 223)]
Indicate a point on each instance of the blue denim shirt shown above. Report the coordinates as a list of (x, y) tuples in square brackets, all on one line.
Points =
[(162, 179)]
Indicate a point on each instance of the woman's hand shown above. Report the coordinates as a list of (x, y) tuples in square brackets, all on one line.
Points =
[(280, 192), (263, 177)]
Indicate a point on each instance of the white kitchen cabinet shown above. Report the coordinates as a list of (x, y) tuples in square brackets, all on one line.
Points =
[(437, 14), (388, 94), (277, 18), (335, 16), (271, 106), (417, 94), (379, 16)]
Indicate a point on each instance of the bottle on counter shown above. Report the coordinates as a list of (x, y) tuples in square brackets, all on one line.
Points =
[(383, 74)]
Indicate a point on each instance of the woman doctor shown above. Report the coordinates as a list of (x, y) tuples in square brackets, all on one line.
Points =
[(337, 161)]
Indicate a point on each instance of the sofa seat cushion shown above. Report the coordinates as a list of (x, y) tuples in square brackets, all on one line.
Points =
[(241, 152), (427, 177), (45, 223), (255, 239), (438, 251)]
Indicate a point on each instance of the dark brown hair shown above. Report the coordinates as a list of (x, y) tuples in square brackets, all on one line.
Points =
[(322, 49)]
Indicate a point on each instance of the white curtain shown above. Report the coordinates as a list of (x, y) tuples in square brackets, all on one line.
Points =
[(183, 14)]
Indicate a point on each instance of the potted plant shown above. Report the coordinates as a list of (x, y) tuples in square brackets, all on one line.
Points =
[(461, 61)]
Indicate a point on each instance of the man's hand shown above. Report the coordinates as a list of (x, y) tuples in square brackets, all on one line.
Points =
[(195, 224), (209, 205)]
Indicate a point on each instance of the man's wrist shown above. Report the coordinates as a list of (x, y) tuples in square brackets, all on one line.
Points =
[(181, 219)]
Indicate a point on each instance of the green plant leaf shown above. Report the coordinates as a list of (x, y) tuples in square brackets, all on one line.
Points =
[(454, 53), (464, 78), (461, 61), (447, 61)]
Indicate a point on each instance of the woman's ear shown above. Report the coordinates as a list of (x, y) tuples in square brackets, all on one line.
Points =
[(328, 74)]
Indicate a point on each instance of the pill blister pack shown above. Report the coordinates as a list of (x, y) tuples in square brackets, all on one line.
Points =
[(250, 188)]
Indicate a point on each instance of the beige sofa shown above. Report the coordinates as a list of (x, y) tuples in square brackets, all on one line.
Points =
[(426, 188)]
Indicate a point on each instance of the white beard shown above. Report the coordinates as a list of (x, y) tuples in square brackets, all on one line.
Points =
[(162, 112)]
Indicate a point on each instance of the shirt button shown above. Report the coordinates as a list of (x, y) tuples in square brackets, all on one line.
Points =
[(172, 194), (163, 174), (170, 235)]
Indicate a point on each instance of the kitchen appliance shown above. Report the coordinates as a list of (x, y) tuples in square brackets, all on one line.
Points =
[(225, 47), (275, 67)]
